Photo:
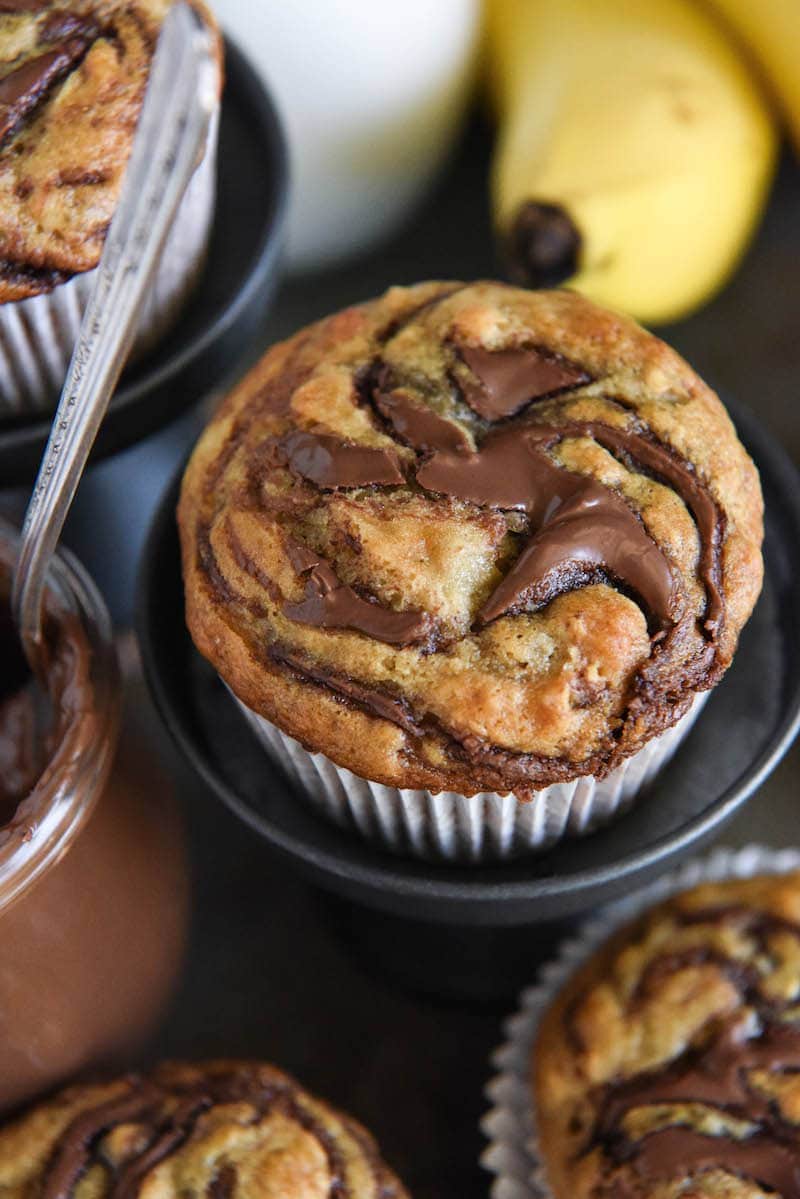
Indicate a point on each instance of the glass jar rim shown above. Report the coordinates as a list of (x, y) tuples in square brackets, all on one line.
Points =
[(48, 820)]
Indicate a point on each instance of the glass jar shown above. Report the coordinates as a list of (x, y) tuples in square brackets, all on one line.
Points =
[(93, 876)]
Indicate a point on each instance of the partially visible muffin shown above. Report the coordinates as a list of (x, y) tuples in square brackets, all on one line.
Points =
[(72, 79), (470, 538), (218, 1130), (73, 75), (670, 1064)]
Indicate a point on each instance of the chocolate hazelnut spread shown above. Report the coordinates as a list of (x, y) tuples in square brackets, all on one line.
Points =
[(330, 462), (331, 604), (506, 380), (582, 530), (419, 427), (93, 891), (581, 527), (23, 88), (40, 731), (20, 753)]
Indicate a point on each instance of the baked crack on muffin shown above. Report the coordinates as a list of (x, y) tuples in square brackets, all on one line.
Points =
[(471, 538), (223, 1130), (670, 1065), (72, 79)]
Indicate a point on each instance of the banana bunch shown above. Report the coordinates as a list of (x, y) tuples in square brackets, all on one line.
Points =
[(635, 147), (770, 31)]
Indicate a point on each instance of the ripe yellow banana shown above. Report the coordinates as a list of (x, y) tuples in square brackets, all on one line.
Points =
[(770, 30), (634, 150)]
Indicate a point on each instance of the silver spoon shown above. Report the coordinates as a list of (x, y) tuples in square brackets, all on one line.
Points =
[(169, 143)]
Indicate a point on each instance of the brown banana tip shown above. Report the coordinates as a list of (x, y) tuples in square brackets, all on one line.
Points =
[(542, 246)]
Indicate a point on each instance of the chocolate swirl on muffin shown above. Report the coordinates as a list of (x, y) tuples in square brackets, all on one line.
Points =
[(518, 519), (72, 80), (671, 1063), (220, 1129)]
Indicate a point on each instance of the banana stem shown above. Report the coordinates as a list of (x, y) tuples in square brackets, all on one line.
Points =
[(542, 246)]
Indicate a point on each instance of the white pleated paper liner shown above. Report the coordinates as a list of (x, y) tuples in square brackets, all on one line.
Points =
[(453, 828), (37, 335), (510, 1126)]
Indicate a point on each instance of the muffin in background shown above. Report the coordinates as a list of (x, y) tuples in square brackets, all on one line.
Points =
[(465, 546), (670, 1063), (241, 1130), (72, 79)]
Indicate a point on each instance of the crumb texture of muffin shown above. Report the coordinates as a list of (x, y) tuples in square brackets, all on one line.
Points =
[(471, 538), (222, 1130), (72, 79), (670, 1064)]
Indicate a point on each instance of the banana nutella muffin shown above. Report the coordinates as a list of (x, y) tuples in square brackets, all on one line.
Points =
[(225, 1130), (72, 79), (670, 1064), (471, 541)]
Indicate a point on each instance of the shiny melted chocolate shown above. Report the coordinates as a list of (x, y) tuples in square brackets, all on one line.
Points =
[(582, 529), (505, 381), (63, 43), (330, 462), (602, 535), (331, 604), (419, 426)]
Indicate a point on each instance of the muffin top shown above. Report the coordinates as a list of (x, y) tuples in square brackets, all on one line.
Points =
[(471, 538), (225, 1130), (670, 1065), (72, 79)]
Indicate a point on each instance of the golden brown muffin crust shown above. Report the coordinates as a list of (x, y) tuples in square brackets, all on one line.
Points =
[(218, 1130), (72, 80), (670, 1064), (351, 578)]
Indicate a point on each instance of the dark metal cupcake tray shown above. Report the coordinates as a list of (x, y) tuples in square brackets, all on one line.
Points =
[(228, 308), (746, 727)]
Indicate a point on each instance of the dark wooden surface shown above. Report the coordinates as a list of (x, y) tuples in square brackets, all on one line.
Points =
[(276, 970)]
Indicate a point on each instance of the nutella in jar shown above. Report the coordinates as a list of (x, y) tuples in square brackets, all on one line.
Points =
[(93, 878)]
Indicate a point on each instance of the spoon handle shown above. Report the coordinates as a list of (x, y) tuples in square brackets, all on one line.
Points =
[(169, 143)]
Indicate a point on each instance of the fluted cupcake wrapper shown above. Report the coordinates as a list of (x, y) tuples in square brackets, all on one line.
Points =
[(37, 335), (456, 828), (510, 1126)]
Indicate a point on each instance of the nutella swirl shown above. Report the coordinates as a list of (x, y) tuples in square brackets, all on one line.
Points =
[(441, 461), (580, 527), (721, 1071), (131, 1128)]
